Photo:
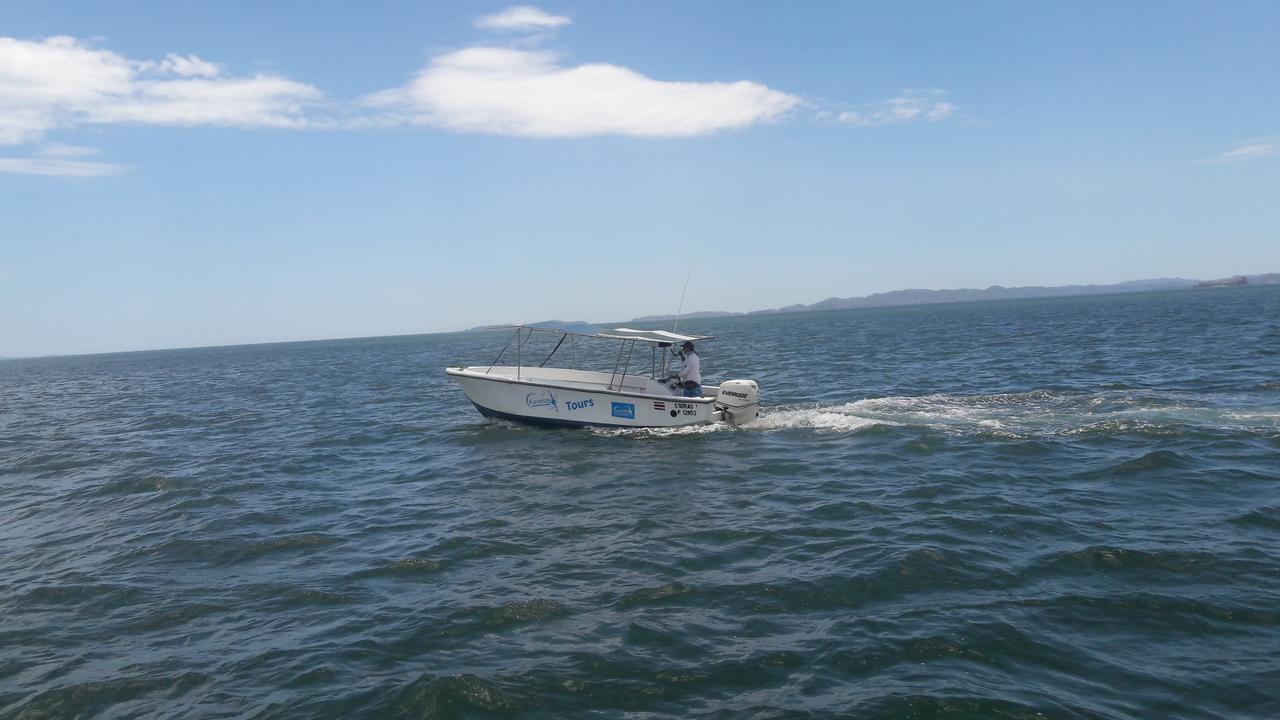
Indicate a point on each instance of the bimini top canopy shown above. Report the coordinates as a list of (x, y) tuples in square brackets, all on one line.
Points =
[(656, 337), (651, 336)]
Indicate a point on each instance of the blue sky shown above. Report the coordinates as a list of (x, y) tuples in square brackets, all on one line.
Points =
[(183, 174)]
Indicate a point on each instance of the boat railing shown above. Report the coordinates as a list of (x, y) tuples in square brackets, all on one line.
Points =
[(629, 347)]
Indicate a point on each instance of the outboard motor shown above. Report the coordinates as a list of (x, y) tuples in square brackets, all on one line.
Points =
[(738, 401)]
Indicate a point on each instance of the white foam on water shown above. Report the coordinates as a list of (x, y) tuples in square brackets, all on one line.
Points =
[(1047, 413), (1256, 417), (980, 412), (822, 419), (658, 432)]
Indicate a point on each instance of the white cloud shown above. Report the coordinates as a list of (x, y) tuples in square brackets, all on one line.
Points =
[(530, 94), (521, 17), (182, 65), (1251, 150), (58, 167), (911, 106), (66, 151), (260, 101), (60, 160), (62, 82)]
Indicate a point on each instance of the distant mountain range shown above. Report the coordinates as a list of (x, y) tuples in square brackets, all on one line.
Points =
[(995, 292), (570, 325), (898, 298)]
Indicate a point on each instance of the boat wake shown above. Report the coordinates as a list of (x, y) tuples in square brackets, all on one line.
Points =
[(1033, 414), (1038, 413)]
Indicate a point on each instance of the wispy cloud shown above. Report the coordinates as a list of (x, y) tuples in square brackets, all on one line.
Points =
[(531, 94), (62, 150), (60, 160), (182, 66), (63, 82), (1251, 150), (521, 18), (912, 105)]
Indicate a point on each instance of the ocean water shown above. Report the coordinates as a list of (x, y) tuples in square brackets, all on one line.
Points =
[(1062, 508)]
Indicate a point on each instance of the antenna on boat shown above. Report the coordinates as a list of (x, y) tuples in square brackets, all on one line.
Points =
[(680, 310)]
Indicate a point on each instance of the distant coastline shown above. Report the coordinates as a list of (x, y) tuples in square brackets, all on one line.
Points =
[(902, 298), (1236, 281)]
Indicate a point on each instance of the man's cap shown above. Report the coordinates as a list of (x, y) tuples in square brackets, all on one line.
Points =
[(687, 344)]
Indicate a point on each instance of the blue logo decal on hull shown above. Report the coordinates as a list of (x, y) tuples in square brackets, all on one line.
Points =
[(624, 410), (542, 399)]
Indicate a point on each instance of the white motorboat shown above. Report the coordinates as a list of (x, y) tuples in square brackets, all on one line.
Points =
[(618, 398)]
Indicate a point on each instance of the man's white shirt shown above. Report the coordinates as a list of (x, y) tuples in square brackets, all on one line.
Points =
[(691, 368)]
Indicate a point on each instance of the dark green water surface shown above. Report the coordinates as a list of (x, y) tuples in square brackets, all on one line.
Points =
[(1040, 509)]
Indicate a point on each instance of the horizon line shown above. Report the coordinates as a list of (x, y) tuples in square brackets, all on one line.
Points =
[(726, 314)]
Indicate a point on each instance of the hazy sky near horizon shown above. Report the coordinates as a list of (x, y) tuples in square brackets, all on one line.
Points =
[(184, 174)]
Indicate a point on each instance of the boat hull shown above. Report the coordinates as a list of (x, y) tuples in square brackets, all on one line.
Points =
[(557, 399)]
